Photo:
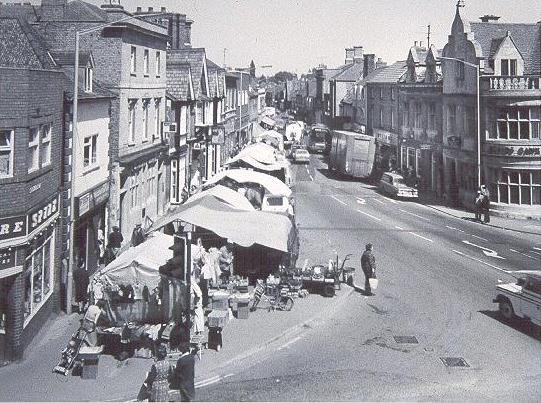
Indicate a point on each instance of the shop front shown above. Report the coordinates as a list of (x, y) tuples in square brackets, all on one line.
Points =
[(386, 149), (90, 226), (29, 256)]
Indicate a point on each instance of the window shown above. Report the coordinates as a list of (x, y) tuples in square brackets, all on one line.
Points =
[(145, 62), (38, 276), (90, 150), (392, 119), (431, 116), (131, 121), (6, 153), (418, 115), (157, 102), (417, 159), (45, 145), (174, 181), (451, 119), (518, 187), (459, 70), (518, 123), (405, 115), (145, 119), (508, 67), (133, 59), (393, 93), (183, 120), (158, 63), (411, 158), (88, 79), (381, 116), (33, 150)]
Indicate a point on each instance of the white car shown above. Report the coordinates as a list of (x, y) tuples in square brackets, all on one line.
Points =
[(521, 299), (394, 185), (301, 155), (275, 204)]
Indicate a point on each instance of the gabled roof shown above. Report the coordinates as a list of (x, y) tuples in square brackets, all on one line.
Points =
[(21, 46), (525, 36), (350, 73), (179, 81), (195, 58), (215, 74), (418, 54), (389, 74)]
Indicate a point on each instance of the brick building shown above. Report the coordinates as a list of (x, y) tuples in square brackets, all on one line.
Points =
[(31, 144), (508, 55)]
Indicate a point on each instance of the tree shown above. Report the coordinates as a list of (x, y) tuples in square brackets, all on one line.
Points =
[(283, 76), (252, 68)]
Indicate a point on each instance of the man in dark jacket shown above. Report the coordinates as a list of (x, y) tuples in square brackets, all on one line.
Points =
[(182, 378), (368, 264)]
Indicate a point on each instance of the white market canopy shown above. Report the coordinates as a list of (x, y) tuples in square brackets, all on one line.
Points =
[(244, 228), (260, 152), (273, 185), (224, 194)]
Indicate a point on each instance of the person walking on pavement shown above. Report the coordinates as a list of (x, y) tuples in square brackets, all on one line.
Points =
[(368, 264), (182, 378), (479, 200), (137, 236), (486, 203), (81, 279)]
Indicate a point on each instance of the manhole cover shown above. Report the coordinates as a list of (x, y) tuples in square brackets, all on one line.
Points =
[(406, 339), (454, 362)]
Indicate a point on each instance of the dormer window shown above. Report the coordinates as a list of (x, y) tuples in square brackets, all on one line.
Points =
[(89, 73), (509, 67)]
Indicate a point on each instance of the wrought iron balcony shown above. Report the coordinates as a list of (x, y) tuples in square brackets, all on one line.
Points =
[(514, 83)]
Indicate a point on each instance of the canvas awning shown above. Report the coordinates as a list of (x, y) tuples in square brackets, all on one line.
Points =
[(244, 228), (270, 183), (261, 152), (268, 121), (229, 196)]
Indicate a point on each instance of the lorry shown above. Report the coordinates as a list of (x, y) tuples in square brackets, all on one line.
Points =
[(318, 140), (352, 153)]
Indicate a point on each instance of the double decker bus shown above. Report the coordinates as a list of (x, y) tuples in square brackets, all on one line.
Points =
[(319, 139)]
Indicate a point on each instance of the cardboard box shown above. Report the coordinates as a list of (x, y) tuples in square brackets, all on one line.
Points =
[(217, 318)]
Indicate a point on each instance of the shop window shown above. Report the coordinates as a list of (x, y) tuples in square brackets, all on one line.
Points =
[(33, 150), (38, 276), (519, 187), (45, 145), (6, 153), (90, 151)]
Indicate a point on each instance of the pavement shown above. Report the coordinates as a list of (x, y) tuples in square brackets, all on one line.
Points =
[(33, 380)]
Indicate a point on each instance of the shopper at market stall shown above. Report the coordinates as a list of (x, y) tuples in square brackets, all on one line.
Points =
[(157, 382), (182, 378), (197, 306), (226, 261)]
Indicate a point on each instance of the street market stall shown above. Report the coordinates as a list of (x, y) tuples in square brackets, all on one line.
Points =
[(271, 184)]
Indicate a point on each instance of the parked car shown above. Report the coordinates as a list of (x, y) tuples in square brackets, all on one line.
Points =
[(521, 299), (394, 185), (295, 146), (301, 155), (275, 204)]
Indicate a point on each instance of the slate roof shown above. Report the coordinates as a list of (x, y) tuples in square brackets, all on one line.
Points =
[(350, 73), (178, 81), (78, 10), (527, 38), (388, 74), (419, 54), (29, 12), (195, 57), (216, 74), (21, 46)]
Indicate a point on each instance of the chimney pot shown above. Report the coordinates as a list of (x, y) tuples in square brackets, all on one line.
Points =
[(139, 9), (415, 43), (489, 18)]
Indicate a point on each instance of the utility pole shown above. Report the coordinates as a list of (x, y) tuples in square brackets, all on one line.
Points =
[(428, 37)]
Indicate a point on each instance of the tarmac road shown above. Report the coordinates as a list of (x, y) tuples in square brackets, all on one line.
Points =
[(437, 276)]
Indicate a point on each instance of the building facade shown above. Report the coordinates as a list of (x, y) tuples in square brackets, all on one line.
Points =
[(508, 56)]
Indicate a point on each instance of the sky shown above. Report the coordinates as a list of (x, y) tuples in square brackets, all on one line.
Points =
[(295, 35)]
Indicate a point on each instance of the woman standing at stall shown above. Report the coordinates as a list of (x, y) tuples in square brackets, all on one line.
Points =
[(157, 382)]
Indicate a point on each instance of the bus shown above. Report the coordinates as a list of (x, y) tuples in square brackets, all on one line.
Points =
[(319, 139), (352, 153)]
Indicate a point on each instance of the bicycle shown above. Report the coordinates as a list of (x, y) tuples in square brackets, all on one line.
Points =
[(279, 300)]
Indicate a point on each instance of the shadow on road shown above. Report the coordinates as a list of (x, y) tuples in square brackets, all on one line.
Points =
[(523, 326)]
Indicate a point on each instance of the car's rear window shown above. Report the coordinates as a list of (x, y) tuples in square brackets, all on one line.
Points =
[(275, 201)]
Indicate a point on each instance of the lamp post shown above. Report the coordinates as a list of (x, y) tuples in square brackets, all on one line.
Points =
[(478, 92), (71, 265)]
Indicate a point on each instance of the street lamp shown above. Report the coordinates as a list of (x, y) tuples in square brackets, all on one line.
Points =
[(478, 91), (71, 266)]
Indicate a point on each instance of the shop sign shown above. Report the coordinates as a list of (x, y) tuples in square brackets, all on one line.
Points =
[(426, 146), (42, 214), (92, 198), (386, 137), (7, 258), (218, 134), (513, 151), (12, 227)]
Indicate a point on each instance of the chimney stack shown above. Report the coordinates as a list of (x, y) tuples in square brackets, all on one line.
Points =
[(489, 18), (415, 43), (357, 54), (139, 9), (369, 64), (164, 9), (380, 63), (53, 10), (151, 9), (349, 55)]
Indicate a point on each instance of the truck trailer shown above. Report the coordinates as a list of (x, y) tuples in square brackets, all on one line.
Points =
[(352, 153)]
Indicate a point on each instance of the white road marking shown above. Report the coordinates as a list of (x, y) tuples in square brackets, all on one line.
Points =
[(536, 248), (420, 236), (290, 342), (523, 254), (369, 215), (311, 177), (456, 229), (537, 253), (212, 380), (397, 227), (379, 201), (307, 170), (479, 237), (360, 200), (480, 261), (486, 251), (338, 200), (413, 214), (391, 200)]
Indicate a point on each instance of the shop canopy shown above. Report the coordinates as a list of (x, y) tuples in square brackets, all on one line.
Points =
[(270, 183), (260, 152), (257, 130), (226, 195), (140, 264), (268, 121), (244, 228)]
